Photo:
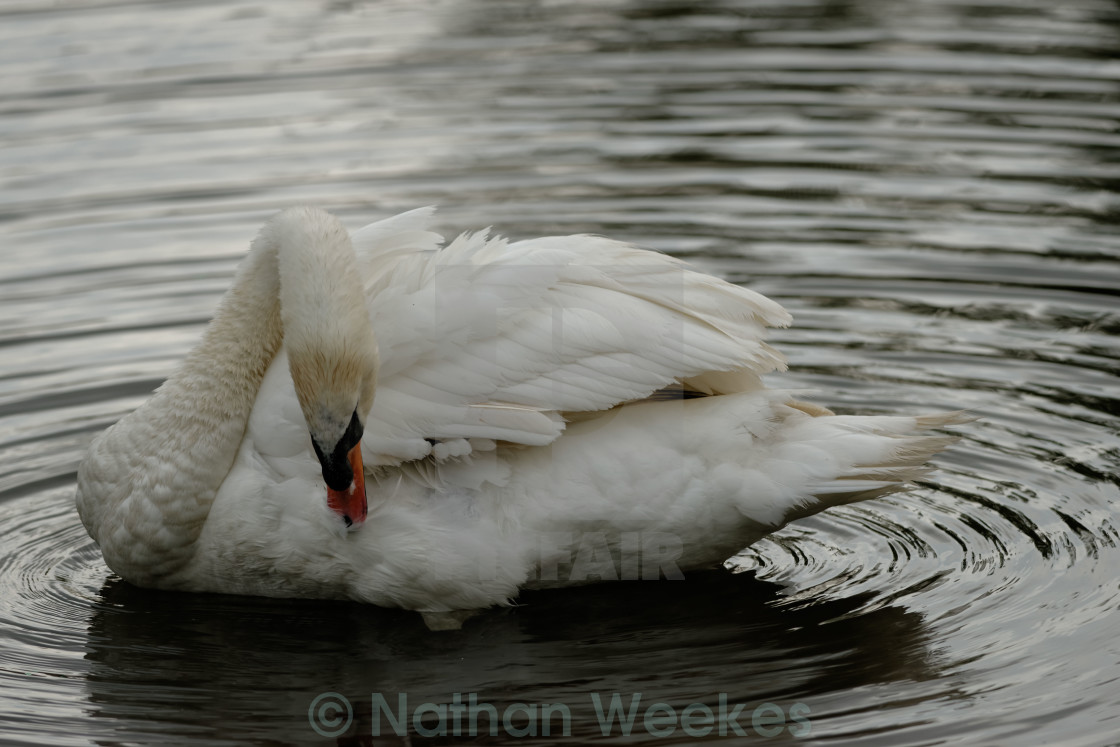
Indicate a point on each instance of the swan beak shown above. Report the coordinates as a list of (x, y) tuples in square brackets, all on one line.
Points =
[(350, 503)]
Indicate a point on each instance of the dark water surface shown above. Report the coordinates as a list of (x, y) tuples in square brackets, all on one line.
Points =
[(932, 188)]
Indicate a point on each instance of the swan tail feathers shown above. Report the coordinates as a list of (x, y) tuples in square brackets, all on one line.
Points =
[(885, 455)]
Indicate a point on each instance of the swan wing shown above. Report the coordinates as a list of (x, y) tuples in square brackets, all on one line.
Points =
[(485, 340)]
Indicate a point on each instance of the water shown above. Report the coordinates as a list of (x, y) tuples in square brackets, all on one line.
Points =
[(930, 187)]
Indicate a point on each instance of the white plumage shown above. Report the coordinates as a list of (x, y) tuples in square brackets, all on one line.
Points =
[(553, 411)]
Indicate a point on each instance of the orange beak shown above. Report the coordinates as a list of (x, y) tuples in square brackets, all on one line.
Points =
[(350, 504)]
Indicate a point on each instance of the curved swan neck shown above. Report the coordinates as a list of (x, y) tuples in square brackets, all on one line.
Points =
[(147, 484), (224, 371)]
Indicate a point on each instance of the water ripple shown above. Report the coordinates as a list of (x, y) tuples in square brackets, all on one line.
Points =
[(929, 187)]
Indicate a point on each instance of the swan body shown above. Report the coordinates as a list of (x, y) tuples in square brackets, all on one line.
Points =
[(382, 418)]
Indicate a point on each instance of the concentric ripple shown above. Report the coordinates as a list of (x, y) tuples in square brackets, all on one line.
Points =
[(930, 187)]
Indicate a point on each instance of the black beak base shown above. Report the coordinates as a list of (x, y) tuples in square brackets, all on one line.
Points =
[(336, 466)]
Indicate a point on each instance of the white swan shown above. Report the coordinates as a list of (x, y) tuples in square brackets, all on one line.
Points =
[(537, 422)]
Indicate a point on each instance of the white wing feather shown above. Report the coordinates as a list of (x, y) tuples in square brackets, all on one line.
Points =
[(484, 340)]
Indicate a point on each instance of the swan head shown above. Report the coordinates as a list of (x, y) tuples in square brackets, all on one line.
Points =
[(332, 354), (335, 400)]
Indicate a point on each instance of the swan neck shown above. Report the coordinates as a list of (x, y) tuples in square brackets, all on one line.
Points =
[(147, 483)]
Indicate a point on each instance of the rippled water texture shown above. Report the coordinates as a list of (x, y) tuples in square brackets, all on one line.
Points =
[(930, 187)]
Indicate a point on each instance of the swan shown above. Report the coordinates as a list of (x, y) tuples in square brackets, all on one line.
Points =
[(384, 418)]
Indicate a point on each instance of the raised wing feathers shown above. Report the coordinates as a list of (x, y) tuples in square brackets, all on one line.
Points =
[(485, 340)]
